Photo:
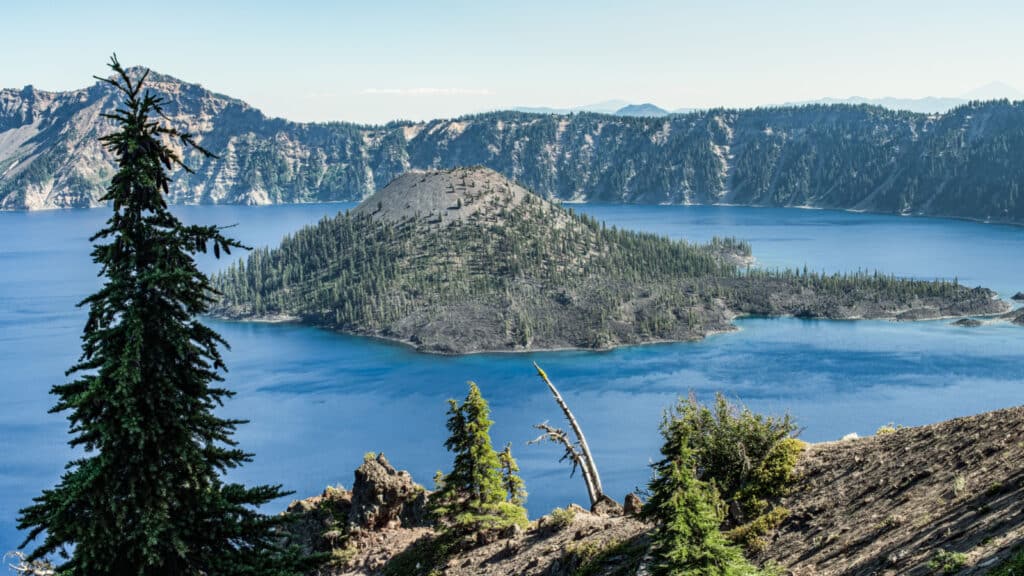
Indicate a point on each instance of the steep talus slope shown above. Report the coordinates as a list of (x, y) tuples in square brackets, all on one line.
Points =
[(465, 260), (888, 504), (963, 163)]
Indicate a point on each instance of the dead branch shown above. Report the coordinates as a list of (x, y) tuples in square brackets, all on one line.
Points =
[(584, 459), (37, 568)]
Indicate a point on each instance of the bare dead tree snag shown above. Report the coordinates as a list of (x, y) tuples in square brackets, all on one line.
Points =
[(559, 436), (578, 452)]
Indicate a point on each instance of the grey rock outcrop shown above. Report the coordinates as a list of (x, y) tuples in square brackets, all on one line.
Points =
[(384, 497), (632, 505), (605, 506)]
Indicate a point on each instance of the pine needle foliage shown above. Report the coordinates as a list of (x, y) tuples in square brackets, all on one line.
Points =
[(687, 512), (146, 497), (514, 485), (472, 497)]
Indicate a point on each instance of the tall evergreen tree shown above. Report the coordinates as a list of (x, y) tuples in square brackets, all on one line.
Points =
[(514, 485), (146, 497), (687, 511), (472, 495)]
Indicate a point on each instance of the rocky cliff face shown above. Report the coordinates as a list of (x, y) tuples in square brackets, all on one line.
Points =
[(963, 163)]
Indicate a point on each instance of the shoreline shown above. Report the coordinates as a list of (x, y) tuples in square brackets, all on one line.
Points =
[(992, 318), (862, 211)]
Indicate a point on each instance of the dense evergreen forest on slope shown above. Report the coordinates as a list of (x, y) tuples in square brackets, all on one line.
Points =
[(963, 164), (464, 260)]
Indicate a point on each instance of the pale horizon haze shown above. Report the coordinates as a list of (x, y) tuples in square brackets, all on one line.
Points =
[(387, 60)]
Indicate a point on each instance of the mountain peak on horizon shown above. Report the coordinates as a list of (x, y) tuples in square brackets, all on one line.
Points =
[(642, 110), (995, 90)]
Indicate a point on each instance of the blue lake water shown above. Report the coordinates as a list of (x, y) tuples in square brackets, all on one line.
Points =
[(318, 401)]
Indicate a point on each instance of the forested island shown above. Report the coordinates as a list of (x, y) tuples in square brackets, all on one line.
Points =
[(464, 260), (964, 163)]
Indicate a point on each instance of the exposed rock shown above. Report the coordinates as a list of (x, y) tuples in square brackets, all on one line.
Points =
[(887, 504), (883, 505), (632, 506), (491, 298), (320, 522), (605, 506), (850, 436), (50, 157), (577, 509), (383, 497), (967, 323), (1019, 296), (512, 532)]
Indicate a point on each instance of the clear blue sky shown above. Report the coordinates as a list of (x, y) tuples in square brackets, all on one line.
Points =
[(372, 61)]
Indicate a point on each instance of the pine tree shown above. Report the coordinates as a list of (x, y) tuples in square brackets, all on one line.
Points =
[(146, 496), (472, 495), (514, 485), (687, 511)]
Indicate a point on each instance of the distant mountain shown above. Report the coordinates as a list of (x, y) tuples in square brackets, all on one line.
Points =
[(930, 104), (994, 91), (465, 260), (604, 107), (613, 107), (964, 163), (647, 110)]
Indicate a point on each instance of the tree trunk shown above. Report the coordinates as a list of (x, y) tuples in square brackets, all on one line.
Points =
[(590, 475)]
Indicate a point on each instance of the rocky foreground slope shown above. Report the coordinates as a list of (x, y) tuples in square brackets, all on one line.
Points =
[(885, 505), (465, 260), (963, 163)]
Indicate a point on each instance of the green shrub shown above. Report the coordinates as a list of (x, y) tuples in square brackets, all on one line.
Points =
[(889, 428), (561, 517), (686, 509), (945, 562), (755, 535), (737, 450)]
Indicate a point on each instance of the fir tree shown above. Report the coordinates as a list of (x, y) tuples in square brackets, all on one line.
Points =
[(472, 496), (146, 497), (687, 539), (514, 485)]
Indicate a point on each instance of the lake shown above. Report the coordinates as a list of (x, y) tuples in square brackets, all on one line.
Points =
[(318, 401)]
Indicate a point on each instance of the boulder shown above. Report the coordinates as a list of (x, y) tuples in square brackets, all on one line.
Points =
[(576, 508), (605, 506), (383, 497), (632, 505), (319, 522)]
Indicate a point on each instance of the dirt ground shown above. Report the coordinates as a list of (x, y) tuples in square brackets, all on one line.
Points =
[(888, 504)]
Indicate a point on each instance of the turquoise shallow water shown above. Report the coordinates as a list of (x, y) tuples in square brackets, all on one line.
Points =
[(318, 401)]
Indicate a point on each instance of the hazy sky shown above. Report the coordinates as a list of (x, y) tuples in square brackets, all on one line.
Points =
[(379, 60)]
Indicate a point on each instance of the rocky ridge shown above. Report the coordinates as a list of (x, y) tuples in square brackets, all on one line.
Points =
[(866, 158)]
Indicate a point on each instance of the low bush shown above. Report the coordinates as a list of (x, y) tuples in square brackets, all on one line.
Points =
[(945, 562), (561, 518)]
